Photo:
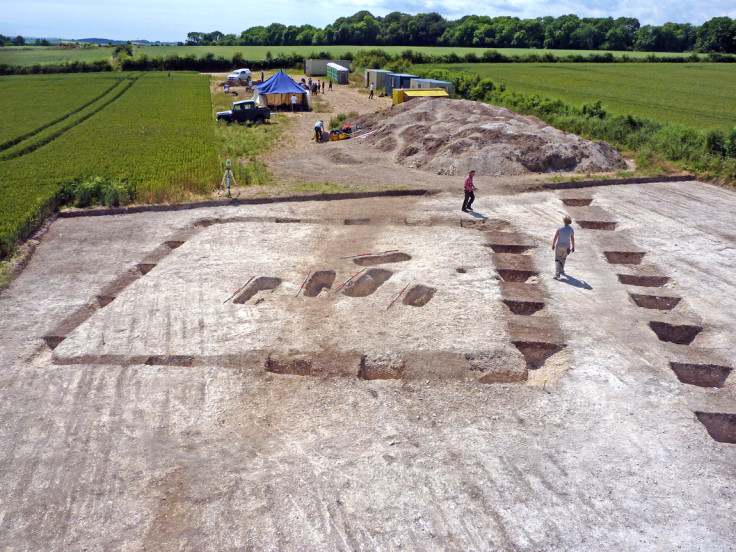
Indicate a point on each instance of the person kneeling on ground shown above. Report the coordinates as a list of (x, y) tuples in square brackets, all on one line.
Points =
[(563, 244), (319, 128), (469, 189)]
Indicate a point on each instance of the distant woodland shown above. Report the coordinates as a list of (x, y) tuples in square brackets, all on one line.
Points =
[(568, 32)]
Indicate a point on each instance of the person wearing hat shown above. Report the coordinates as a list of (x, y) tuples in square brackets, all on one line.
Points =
[(469, 189), (563, 244)]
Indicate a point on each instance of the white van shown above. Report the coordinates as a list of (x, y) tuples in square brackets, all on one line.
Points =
[(239, 75)]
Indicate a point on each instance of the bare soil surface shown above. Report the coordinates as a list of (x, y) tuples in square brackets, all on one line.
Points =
[(166, 383)]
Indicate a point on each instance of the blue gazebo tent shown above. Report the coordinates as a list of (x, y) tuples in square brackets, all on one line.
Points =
[(278, 90)]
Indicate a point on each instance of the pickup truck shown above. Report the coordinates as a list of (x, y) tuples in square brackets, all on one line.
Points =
[(245, 111), (239, 76)]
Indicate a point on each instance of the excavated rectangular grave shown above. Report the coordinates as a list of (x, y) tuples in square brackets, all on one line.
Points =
[(673, 332), (643, 280), (262, 283), (419, 295), (173, 244), (367, 283), (145, 268), (514, 267), (509, 242), (592, 218), (624, 257), (720, 426), (520, 298), (702, 375), (577, 201), (537, 338), (596, 224), (382, 258), (322, 279), (658, 302)]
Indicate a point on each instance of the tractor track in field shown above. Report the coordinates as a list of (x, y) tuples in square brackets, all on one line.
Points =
[(124, 84)]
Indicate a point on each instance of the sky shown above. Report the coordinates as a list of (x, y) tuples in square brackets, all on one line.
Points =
[(171, 20)]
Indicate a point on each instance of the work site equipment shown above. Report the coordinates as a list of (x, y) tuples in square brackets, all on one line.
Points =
[(238, 290), (399, 295)]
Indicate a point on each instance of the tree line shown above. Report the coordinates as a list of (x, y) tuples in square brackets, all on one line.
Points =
[(568, 32)]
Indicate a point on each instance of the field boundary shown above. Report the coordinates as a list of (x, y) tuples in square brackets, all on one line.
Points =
[(66, 128), (18, 139), (234, 202)]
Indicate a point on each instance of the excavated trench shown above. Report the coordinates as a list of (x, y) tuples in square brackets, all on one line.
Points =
[(702, 375), (297, 366), (642, 281), (506, 248), (367, 284), (682, 334), (419, 295), (536, 353), (577, 202), (624, 257), (720, 426), (169, 360), (524, 308), (655, 301), (263, 283), (596, 224), (383, 258), (322, 279), (381, 368), (286, 220), (514, 275)]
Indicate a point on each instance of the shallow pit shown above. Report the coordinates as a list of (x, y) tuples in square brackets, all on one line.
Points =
[(419, 295), (643, 281), (461, 270), (577, 202), (624, 257), (657, 302), (524, 308), (356, 221), (145, 268), (262, 283), (381, 367), (596, 225), (383, 258), (297, 365), (367, 283), (169, 360), (104, 300), (506, 248), (322, 279), (53, 341), (682, 334), (173, 244), (702, 375), (512, 275), (720, 426), (536, 353)]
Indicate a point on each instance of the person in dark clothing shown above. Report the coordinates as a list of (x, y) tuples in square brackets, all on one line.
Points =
[(469, 189)]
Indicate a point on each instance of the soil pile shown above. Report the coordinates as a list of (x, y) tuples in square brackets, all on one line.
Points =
[(454, 136)]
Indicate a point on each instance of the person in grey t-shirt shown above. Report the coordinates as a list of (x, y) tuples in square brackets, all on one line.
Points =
[(563, 244)]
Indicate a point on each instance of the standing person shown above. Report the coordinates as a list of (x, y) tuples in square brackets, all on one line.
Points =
[(262, 76), (370, 96), (563, 244), (319, 128), (469, 189), (323, 87), (330, 87), (293, 103)]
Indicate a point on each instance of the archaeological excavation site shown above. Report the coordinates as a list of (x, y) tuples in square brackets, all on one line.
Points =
[(381, 371)]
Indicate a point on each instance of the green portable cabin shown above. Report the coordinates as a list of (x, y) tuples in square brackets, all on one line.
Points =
[(337, 73)]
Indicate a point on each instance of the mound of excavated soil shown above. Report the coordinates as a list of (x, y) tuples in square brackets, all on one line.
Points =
[(454, 136)]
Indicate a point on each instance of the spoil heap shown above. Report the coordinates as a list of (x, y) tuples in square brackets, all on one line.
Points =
[(453, 136)]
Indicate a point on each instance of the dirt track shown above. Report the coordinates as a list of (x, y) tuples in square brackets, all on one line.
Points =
[(160, 421)]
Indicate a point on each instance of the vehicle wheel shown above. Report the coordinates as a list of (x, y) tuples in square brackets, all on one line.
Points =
[(259, 121)]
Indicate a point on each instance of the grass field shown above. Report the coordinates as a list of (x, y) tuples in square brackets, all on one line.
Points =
[(30, 55), (150, 131), (701, 95)]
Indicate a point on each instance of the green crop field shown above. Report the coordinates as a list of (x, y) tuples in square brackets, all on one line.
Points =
[(150, 131), (25, 55), (701, 95)]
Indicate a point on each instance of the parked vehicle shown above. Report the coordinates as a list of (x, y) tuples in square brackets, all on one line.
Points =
[(240, 76), (245, 111)]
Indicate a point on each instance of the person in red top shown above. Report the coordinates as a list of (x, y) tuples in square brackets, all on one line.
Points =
[(469, 189)]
